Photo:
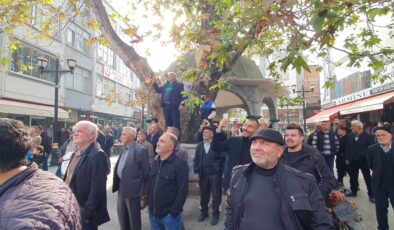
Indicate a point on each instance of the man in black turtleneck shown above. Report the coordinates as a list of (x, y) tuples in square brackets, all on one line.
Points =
[(237, 148), (266, 194)]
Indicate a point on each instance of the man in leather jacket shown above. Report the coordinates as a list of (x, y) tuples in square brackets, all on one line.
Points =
[(266, 194)]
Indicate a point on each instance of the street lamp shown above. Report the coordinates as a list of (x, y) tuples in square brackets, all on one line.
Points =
[(303, 91), (42, 63)]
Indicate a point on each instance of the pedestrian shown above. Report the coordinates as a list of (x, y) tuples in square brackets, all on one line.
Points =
[(179, 150), (340, 163), (29, 197), (381, 161), (313, 136), (130, 180), (108, 141), (168, 186), (171, 99), (237, 148), (308, 160), (45, 142), (154, 135), (87, 176), (207, 109), (356, 158), (141, 139), (208, 169), (266, 194), (327, 143), (64, 135)]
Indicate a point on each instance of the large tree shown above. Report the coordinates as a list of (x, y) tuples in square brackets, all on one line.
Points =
[(218, 32)]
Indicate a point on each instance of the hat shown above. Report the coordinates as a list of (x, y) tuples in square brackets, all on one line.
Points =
[(143, 131), (384, 127), (209, 127), (268, 134)]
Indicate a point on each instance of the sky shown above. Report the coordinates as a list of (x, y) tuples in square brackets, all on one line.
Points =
[(159, 56)]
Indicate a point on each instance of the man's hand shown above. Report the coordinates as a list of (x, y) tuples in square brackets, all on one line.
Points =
[(234, 131), (153, 79), (347, 162), (223, 124), (181, 108), (60, 160), (196, 178), (337, 194)]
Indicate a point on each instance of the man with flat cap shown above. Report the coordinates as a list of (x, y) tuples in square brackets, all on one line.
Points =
[(208, 167), (266, 194), (380, 159)]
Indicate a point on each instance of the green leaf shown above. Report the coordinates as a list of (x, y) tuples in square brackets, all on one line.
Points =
[(317, 23)]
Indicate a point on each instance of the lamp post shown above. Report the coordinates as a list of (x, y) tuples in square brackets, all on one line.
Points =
[(303, 91), (42, 63)]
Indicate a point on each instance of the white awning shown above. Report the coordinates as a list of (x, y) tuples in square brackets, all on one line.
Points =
[(23, 108)]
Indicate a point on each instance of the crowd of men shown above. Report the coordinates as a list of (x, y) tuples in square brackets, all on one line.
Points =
[(272, 180)]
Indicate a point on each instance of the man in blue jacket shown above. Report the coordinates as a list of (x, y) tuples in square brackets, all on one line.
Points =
[(171, 99)]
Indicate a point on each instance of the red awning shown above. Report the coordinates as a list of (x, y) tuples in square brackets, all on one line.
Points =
[(368, 104), (327, 114)]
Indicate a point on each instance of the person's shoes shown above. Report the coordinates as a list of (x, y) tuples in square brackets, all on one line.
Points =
[(202, 217), (371, 199), (350, 194), (215, 219), (340, 184)]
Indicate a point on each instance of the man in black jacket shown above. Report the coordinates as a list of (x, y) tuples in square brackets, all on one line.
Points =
[(356, 157), (308, 159), (208, 166), (237, 148), (269, 195), (171, 99), (168, 186), (340, 163), (381, 161), (87, 176), (131, 179)]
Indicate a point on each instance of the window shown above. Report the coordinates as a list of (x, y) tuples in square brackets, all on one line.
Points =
[(125, 94), (105, 55), (77, 38), (41, 17), (109, 88), (80, 81), (99, 86), (24, 60)]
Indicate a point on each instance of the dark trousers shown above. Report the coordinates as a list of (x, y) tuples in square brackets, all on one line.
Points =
[(172, 116), (88, 226), (210, 184), (45, 164), (382, 196), (129, 213), (354, 168), (329, 161), (341, 167)]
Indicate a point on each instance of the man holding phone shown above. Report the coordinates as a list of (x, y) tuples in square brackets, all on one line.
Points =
[(236, 147)]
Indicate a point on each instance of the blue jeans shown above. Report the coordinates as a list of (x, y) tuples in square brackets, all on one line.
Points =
[(165, 223), (330, 161)]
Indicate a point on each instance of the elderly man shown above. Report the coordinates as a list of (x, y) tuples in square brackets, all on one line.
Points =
[(208, 168), (237, 147), (168, 186), (29, 197), (381, 161), (154, 135), (179, 150), (269, 195), (356, 157), (141, 139), (171, 99), (87, 176), (130, 179)]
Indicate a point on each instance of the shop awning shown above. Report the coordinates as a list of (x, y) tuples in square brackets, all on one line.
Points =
[(326, 114), (23, 108), (368, 104)]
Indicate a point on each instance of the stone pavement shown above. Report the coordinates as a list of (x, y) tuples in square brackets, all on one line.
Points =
[(191, 210)]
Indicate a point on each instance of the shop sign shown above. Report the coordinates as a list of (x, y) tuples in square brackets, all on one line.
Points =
[(353, 97), (382, 89)]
